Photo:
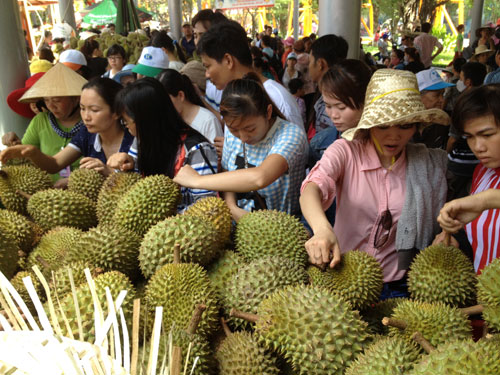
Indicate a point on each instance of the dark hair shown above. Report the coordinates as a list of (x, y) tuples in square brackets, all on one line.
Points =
[(159, 126), (400, 54), (88, 48), (413, 53), (46, 54), (474, 71), (173, 81), (458, 63), (461, 27), (256, 52), (226, 37), (330, 47), (116, 49), (260, 63), (47, 33), (163, 40), (246, 97), (111, 25), (107, 89), (426, 27), (347, 81), (266, 39), (477, 102), (208, 18), (295, 85)]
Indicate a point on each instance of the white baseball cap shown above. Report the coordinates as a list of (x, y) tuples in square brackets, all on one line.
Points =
[(152, 61), (73, 59), (430, 80)]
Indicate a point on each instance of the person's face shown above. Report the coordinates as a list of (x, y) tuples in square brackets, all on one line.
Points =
[(433, 99), (198, 31), (219, 73), (483, 138), (34, 108), (467, 82), (129, 124), (342, 116), (116, 62), (307, 46), (485, 33), (290, 63), (187, 30), (315, 71), (251, 130), (394, 59), (61, 106), (96, 113), (483, 58), (497, 59), (392, 139), (269, 31)]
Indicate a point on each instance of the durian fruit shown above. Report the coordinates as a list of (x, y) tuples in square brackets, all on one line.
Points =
[(54, 207), (18, 284), (87, 182), (148, 202), (51, 252), (387, 356), (271, 232), (9, 255), (358, 278), (255, 281), (113, 188), (216, 211), (110, 248), (25, 178), (488, 293), (116, 282), (221, 271), (240, 353), (179, 288), (18, 227), (461, 357), (437, 322), (196, 237), (374, 314), (60, 284), (442, 274), (314, 329)]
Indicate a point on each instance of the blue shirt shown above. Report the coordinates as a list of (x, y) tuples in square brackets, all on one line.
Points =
[(284, 138), (89, 144), (493, 77)]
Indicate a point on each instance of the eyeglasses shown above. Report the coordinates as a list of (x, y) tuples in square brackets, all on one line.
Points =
[(113, 58), (383, 229)]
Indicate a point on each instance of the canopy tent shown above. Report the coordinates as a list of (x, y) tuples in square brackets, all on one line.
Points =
[(106, 12)]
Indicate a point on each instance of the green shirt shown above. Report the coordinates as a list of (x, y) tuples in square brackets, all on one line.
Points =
[(460, 42), (41, 135)]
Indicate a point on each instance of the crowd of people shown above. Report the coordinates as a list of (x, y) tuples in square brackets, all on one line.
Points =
[(385, 157)]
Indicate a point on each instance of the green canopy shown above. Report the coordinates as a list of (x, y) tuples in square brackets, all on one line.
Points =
[(123, 13), (126, 17), (102, 14)]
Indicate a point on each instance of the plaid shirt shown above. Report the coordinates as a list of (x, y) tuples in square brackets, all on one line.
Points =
[(285, 139)]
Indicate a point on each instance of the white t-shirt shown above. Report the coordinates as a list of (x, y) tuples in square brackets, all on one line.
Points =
[(207, 124), (175, 65), (285, 101), (212, 95)]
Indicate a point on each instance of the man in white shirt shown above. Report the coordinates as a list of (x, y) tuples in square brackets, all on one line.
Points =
[(426, 44)]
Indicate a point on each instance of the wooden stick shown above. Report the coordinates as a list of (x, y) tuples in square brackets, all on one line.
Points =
[(447, 238), (196, 318), (175, 365), (473, 310), (177, 253), (23, 194), (135, 336), (398, 323), (225, 327), (420, 339), (244, 315)]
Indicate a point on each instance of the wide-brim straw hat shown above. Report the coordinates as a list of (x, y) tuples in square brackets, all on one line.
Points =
[(482, 49), (484, 27), (392, 98), (58, 81)]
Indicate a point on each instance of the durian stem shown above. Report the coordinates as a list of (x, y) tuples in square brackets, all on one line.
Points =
[(420, 339), (177, 253), (196, 318), (447, 238), (398, 323), (175, 365), (225, 327), (244, 315), (23, 194), (473, 310)]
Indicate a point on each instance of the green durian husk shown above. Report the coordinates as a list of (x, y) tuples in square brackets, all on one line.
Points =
[(18, 227), (221, 271), (9, 255), (87, 182), (488, 293), (374, 314), (18, 284)]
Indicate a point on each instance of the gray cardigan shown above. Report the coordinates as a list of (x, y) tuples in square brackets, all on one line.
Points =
[(426, 190)]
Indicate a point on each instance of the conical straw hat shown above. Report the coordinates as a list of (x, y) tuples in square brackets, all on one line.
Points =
[(58, 81), (392, 98)]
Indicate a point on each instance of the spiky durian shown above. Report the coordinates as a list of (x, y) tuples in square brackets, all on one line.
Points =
[(87, 182)]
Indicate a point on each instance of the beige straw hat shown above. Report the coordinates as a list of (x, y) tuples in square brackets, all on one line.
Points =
[(393, 98), (58, 81), (482, 49)]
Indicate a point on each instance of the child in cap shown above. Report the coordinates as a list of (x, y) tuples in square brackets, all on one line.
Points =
[(290, 71), (151, 63)]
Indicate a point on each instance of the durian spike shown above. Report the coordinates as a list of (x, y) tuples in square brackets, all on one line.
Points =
[(398, 323), (421, 340), (244, 315), (135, 336), (195, 319), (225, 327), (42, 261), (177, 253), (472, 310), (23, 194), (175, 365)]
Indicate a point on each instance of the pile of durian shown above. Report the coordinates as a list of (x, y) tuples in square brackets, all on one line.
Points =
[(264, 309)]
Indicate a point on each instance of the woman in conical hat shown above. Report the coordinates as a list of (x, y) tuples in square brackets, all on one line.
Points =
[(388, 190)]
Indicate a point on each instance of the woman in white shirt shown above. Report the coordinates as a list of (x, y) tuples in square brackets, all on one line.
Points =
[(176, 57)]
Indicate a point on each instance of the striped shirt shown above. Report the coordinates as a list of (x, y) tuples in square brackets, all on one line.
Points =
[(484, 232)]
